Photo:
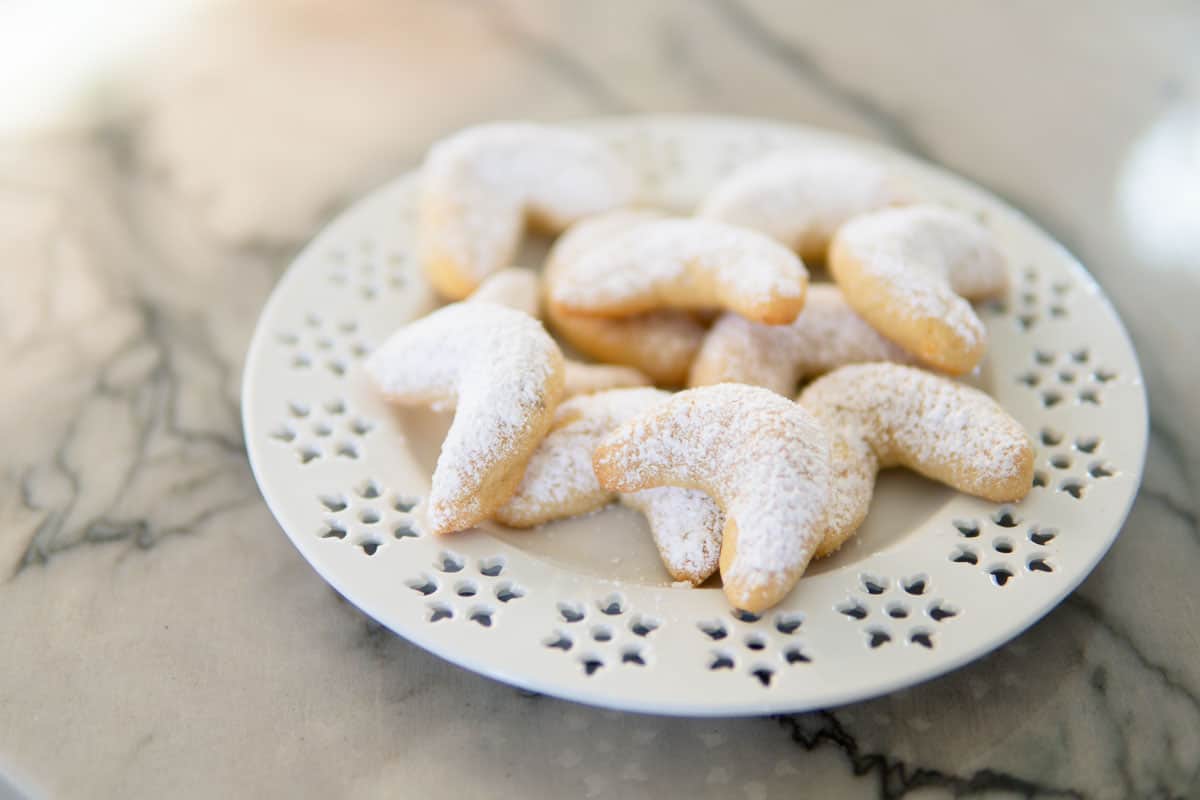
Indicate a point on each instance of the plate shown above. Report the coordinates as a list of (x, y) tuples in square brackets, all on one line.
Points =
[(581, 609)]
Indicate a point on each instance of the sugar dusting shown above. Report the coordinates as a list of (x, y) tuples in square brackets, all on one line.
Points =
[(761, 456), (559, 481), (827, 334), (931, 258), (663, 258), (885, 415), (686, 525), (478, 184), (800, 197), (589, 233), (560, 470), (660, 343), (500, 369)]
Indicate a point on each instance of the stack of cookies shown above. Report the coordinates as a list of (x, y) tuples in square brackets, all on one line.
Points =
[(796, 395)]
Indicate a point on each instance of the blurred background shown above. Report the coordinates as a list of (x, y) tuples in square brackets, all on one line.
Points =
[(160, 162)]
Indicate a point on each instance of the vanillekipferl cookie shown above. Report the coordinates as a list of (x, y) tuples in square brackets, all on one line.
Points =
[(884, 415), (910, 272), (559, 482), (482, 186), (761, 457), (503, 375), (827, 334), (800, 197), (659, 344), (683, 264)]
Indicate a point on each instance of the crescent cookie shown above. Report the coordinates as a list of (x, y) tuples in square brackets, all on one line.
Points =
[(909, 273), (503, 374), (660, 344), (884, 415), (482, 185), (826, 335), (559, 482), (685, 264), (518, 289), (800, 197), (761, 457)]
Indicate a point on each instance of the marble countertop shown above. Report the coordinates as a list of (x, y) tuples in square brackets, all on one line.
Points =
[(162, 638)]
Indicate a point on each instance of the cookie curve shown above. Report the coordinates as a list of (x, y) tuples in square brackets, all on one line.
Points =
[(882, 415), (762, 458), (481, 187), (800, 196), (503, 375), (911, 271), (688, 264), (559, 482)]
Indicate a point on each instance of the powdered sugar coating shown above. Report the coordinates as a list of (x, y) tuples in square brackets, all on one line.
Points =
[(593, 232), (907, 272), (800, 197), (686, 525), (559, 482), (827, 334), (503, 374), (479, 186), (660, 344), (512, 287), (883, 415), (684, 264), (764, 459)]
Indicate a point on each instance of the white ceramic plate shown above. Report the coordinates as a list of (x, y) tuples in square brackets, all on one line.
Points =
[(582, 609)]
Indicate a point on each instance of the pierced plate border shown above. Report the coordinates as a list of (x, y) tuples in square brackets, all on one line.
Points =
[(334, 471)]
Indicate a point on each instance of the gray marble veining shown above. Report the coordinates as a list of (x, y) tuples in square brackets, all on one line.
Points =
[(161, 636)]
